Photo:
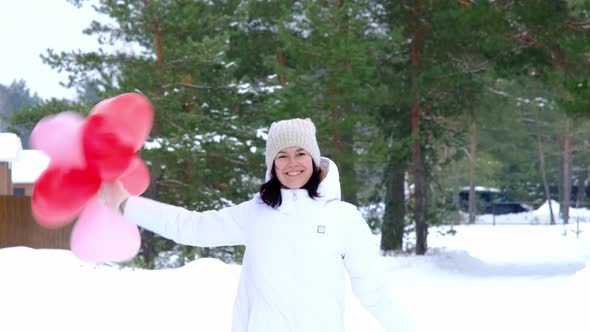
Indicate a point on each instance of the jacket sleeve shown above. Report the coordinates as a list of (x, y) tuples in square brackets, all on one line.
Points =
[(224, 227), (367, 273)]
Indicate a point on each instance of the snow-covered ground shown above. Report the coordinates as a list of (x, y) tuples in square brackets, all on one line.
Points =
[(517, 275)]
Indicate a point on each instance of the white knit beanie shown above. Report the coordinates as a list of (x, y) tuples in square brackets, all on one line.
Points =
[(293, 132)]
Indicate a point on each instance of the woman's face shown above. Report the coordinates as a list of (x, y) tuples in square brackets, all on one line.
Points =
[(293, 166)]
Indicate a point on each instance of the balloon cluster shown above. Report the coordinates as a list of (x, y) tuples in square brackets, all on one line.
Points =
[(84, 154)]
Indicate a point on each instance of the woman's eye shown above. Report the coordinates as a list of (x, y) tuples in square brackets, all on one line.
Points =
[(281, 157), (301, 154)]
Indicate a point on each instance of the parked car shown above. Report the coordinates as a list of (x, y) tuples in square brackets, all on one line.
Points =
[(491, 201)]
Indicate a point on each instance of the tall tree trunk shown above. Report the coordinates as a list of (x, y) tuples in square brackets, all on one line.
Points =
[(472, 151), (581, 187), (392, 229), (542, 166), (283, 66), (342, 146), (148, 250), (347, 161), (341, 110), (335, 127), (567, 187), (456, 199), (417, 161), (560, 180)]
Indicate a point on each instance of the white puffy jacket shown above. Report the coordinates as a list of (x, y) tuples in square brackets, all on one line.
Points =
[(296, 259)]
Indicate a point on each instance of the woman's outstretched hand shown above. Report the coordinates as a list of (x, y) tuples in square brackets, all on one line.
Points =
[(114, 195)]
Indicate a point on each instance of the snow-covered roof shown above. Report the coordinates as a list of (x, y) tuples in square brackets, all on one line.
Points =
[(10, 147), (29, 166), (26, 165)]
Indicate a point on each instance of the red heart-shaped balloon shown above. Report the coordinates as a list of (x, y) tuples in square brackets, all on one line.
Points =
[(61, 193), (130, 115), (104, 150)]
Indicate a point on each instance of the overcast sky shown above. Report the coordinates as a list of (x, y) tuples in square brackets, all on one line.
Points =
[(28, 28)]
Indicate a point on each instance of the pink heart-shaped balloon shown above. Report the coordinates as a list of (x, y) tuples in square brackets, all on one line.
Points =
[(100, 235), (60, 137), (136, 178)]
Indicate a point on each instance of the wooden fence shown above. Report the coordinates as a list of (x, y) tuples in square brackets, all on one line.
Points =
[(18, 227)]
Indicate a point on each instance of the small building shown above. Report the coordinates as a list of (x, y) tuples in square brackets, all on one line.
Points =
[(19, 169), (10, 151), (26, 170)]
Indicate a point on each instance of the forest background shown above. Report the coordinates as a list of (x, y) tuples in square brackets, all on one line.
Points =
[(413, 100)]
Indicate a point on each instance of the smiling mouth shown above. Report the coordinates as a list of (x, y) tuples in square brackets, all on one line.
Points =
[(293, 173)]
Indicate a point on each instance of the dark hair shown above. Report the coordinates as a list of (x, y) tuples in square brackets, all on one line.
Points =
[(270, 192)]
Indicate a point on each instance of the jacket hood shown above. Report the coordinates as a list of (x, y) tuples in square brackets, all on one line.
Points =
[(329, 188)]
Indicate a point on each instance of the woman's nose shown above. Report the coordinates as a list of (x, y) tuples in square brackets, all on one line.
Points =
[(291, 160)]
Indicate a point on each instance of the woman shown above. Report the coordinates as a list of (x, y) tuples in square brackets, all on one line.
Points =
[(300, 240)]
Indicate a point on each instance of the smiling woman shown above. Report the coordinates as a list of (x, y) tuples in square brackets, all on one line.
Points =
[(31, 27), (301, 240)]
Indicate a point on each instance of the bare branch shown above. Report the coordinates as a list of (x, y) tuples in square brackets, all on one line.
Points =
[(173, 182), (193, 86), (577, 25), (465, 2)]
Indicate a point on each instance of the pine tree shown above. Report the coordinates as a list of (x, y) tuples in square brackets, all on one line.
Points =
[(13, 98), (325, 46), (449, 47), (205, 151), (551, 41)]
